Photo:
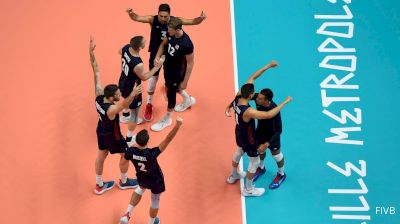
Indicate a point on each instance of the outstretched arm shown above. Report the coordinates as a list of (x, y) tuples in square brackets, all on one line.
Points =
[(256, 114), (194, 21), (139, 69), (137, 18), (260, 71), (163, 145), (97, 82)]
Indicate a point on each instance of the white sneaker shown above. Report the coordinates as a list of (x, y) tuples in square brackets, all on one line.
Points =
[(232, 178), (255, 192), (185, 105), (139, 120), (161, 124), (123, 119), (132, 141)]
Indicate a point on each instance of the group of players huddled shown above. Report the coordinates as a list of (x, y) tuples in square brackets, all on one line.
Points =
[(170, 47)]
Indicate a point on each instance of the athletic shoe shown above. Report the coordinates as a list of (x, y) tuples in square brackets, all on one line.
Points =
[(255, 192), (124, 219), (232, 178), (148, 112), (139, 121), (130, 183), (124, 118), (157, 220), (277, 181), (161, 124), (185, 105), (106, 186), (131, 140), (259, 173)]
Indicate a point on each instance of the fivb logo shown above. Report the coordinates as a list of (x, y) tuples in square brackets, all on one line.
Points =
[(385, 210)]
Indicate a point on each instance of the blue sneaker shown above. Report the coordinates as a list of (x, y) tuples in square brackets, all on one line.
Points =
[(106, 186), (277, 181), (156, 220), (258, 173), (130, 183)]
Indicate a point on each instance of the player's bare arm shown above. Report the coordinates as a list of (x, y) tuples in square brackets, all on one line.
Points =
[(160, 51), (139, 69), (260, 71), (117, 108), (97, 82), (190, 64), (256, 114), (142, 19), (194, 21), (163, 145)]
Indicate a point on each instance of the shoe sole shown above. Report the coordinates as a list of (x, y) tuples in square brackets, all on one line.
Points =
[(129, 187), (103, 191)]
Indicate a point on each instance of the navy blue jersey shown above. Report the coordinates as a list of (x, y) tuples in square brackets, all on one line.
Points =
[(157, 34), (106, 126), (145, 161), (245, 131), (128, 76), (176, 51), (269, 129)]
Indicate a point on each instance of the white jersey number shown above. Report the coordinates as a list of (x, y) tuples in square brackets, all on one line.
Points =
[(142, 167), (125, 67), (163, 34), (171, 50)]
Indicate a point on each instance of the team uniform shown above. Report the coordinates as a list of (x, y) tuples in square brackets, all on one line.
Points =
[(269, 130), (157, 34), (128, 76), (175, 64), (148, 172), (108, 131), (245, 131)]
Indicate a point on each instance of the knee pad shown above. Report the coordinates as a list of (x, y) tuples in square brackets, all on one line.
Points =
[(237, 155), (152, 84), (278, 157), (253, 165), (155, 200), (139, 191)]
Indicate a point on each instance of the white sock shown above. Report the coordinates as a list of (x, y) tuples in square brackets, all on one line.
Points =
[(235, 172), (185, 96), (262, 164), (124, 177), (280, 171), (129, 134), (249, 184), (99, 180), (130, 208), (149, 98), (151, 220), (168, 115)]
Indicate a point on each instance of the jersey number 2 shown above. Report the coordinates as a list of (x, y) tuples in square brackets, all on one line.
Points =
[(142, 167)]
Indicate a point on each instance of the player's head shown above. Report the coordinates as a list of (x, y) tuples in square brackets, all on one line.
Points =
[(137, 43), (174, 25), (112, 93), (264, 97), (247, 91), (142, 137), (163, 13)]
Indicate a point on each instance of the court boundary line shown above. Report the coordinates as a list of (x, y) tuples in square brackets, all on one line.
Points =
[(236, 80)]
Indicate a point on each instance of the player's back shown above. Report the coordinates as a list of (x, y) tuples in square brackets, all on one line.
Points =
[(105, 125), (268, 127), (128, 76), (245, 131), (145, 161)]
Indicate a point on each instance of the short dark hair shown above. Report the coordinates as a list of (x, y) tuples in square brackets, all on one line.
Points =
[(110, 90), (175, 23), (246, 90), (267, 93), (142, 137), (164, 8), (136, 42)]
